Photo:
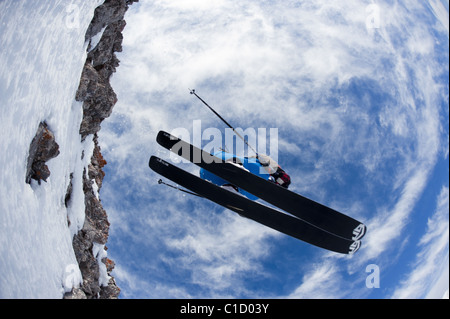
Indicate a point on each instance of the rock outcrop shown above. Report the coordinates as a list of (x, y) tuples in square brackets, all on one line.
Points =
[(98, 99), (95, 231), (95, 91), (43, 147)]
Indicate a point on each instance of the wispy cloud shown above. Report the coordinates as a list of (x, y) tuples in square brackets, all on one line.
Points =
[(430, 272), (218, 255), (323, 281), (440, 10)]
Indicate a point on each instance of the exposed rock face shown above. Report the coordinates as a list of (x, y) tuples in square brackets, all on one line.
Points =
[(98, 99), (109, 12), (43, 147), (95, 91), (76, 293), (97, 163), (95, 231)]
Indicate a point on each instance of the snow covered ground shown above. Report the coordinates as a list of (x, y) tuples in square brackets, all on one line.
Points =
[(42, 53)]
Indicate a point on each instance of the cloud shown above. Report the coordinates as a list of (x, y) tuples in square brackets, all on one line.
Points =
[(323, 281), (430, 272), (135, 286), (440, 10), (218, 253), (389, 225)]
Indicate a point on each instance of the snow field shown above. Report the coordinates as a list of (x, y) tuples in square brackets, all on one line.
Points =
[(41, 58)]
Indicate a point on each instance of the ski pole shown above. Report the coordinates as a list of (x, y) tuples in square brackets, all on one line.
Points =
[(160, 181), (223, 120)]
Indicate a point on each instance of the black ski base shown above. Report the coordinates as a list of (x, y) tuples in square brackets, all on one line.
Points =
[(308, 210), (258, 212)]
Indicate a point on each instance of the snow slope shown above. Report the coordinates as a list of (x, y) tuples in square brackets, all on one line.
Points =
[(42, 52)]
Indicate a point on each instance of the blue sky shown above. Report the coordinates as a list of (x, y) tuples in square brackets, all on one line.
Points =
[(362, 118)]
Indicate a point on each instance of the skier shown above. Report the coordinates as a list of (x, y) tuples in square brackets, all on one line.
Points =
[(276, 173)]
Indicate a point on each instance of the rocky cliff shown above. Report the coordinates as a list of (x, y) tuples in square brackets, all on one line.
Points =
[(104, 36)]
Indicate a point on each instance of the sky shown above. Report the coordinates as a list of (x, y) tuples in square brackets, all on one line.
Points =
[(358, 91)]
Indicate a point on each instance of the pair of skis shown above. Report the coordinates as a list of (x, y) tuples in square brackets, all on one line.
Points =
[(306, 220)]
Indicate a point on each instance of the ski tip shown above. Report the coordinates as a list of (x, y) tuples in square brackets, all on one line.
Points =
[(359, 232), (354, 247)]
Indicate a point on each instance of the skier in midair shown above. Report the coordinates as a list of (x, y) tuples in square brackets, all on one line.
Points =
[(276, 173)]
